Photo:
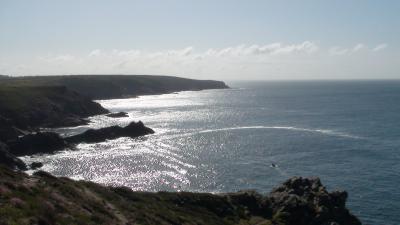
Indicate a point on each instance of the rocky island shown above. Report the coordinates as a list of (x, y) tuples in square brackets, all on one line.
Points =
[(30, 103)]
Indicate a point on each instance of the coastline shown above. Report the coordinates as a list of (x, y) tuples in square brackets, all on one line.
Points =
[(282, 206), (28, 104)]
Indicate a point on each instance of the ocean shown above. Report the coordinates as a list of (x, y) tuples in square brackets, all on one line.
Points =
[(253, 136)]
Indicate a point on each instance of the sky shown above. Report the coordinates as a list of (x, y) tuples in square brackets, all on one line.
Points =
[(207, 39)]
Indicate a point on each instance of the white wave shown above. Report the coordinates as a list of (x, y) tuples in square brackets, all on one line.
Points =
[(321, 131)]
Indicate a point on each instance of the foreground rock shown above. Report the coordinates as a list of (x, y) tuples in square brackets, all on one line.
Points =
[(132, 130), (306, 201), (9, 160), (44, 199), (41, 142)]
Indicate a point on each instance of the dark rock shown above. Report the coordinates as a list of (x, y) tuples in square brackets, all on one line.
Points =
[(305, 201), (41, 142), (252, 201), (10, 160), (36, 165), (113, 132), (118, 115)]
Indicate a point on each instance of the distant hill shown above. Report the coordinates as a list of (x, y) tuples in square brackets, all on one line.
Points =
[(118, 86)]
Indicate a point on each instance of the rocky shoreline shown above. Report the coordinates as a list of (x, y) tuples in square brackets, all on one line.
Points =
[(30, 103)]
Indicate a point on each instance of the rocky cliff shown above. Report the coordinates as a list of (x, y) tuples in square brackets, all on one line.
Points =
[(26, 107), (55, 101)]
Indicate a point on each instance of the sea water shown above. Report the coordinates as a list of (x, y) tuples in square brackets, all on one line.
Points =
[(253, 136)]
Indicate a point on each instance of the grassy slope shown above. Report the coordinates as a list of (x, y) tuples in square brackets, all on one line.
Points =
[(48, 200), (44, 199)]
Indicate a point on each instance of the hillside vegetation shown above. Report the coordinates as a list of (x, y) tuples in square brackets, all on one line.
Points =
[(44, 199)]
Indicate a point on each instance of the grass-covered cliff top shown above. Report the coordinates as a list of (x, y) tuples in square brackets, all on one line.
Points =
[(116, 86), (44, 199)]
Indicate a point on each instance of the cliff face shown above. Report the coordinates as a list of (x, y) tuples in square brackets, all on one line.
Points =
[(44, 199), (45, 106)]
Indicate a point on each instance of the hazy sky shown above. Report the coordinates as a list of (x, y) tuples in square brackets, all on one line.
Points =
[(202, 39)]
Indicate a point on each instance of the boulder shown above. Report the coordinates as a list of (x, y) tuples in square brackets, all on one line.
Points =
[(118, 115), (40, 142), (305, 201), (90, 136), (9, 160)]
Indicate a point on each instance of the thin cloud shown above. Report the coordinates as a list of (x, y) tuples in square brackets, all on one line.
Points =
[(94, 53), (338, 51), (358, 47), (269, 49), (380, 47)]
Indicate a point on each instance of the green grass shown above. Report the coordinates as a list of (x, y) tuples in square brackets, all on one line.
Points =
[(64, 201)]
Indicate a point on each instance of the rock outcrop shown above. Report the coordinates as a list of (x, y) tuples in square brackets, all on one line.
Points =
[(118, 115), (35, 165), (305, 201), (45, 199), (49, 142), (132, 130)]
